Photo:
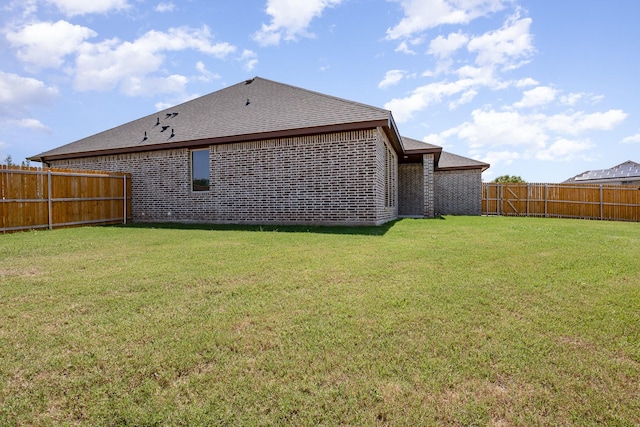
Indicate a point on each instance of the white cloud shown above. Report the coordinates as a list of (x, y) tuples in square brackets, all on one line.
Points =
[(403, 47), (421, 15), (165, 7), (633, 139), (392, 77), (440, 139), (46, 44), (18, 92), (290, 19), (83, 7), (466, 98), (481, 76), (530, 135), (507, 128), (465, 87), (563, 150), (573, 98), (32, 124), (134, 67), (526, 82), (404, 108), (182, 98), (445, 46), (495, 158), (506, 47), (541, 95), (250, 59), (141, 86), (111, 63), (205, 75), (502, 47), (577, 123)]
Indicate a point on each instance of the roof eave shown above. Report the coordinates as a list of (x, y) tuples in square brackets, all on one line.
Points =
[(413, 156), (483, 167), (394, 135), (342, 127)]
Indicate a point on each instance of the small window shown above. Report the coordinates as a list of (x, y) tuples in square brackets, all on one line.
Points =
[(200, 170), (389, 179)]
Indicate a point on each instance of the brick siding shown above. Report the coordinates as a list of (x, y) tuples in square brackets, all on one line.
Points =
[(428, 163), (386, 179), (336, 178), (458, 192)]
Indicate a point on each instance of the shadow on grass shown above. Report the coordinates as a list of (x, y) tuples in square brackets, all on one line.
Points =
[(379, 230)]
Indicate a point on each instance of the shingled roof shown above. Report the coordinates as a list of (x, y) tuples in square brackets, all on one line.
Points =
[(250, 110), (452, 161), (443, 159)]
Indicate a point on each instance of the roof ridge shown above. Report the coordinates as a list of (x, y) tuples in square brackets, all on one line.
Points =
[(337, 98)]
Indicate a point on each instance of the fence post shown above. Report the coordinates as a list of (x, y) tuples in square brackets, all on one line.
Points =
[(601, 202), (124, 208), (49, 203), (546, 198)]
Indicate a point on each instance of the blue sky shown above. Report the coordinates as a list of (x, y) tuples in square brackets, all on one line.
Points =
[(542, 89)]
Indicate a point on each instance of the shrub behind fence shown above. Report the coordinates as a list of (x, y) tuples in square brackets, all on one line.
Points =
[(32, 198), (587, 201)]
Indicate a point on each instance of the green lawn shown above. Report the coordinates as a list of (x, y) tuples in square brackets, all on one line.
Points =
[(455, 321)]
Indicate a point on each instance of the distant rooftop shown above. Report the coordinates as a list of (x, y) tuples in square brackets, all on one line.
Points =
[(624, 171)]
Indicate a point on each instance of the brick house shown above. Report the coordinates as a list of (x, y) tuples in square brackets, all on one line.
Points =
[(265, 152)]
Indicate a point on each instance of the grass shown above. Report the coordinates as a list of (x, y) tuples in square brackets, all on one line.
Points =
[(460, 321)]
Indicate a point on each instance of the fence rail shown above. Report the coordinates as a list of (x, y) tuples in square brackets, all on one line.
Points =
[(587, 201), (33, 198)]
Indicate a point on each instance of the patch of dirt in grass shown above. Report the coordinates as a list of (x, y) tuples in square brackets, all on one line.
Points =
[(491, 402), (577, 342), (16, 272)]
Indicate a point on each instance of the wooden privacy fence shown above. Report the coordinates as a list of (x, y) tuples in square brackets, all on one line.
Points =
[(588, 201), (32, 198)]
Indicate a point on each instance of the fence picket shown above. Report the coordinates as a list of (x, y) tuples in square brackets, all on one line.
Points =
[(33, 198), (587, 201)]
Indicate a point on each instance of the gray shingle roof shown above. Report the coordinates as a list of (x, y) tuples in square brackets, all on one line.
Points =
[(411, 144), (454, 161), (624, 170), (444, 159), (247, 110)]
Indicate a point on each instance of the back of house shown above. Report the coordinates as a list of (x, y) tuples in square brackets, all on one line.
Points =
[(263, 152)]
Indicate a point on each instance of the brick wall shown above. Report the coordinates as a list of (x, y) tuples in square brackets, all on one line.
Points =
[(386, 179), (321, 179), (458, 192), (428, 164)]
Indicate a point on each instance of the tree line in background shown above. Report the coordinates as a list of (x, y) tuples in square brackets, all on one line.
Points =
[(509, 179), (9, 162)]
